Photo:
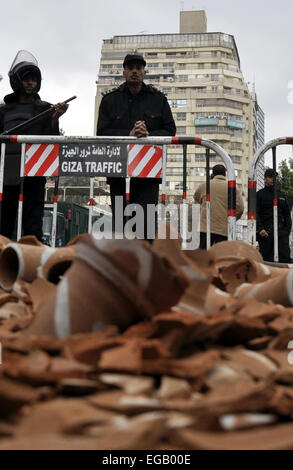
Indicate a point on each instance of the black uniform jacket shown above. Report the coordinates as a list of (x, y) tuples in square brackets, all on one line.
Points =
[(119, 111), (14, 113), (264, 211)]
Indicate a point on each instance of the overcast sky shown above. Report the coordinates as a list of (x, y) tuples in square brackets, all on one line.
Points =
[(66, 38)]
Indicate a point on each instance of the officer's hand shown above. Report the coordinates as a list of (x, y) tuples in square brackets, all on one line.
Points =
[(60, 108), (139, 130), (263, 233)]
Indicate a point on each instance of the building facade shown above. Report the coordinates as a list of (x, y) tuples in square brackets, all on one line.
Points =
[(200, 74)]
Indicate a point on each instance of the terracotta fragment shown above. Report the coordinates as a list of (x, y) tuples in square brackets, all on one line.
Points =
[(243, 271), (257, 365), (129, 383), (129, 268), (20, 261), (173, 388), (245, 420), (277, 437), (230, 251), (57, 263), (13, 395), (279, 290)]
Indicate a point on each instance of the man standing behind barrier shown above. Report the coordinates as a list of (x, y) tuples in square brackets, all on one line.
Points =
[(219, 207), (265, 221), (138, 110), (21, 105)]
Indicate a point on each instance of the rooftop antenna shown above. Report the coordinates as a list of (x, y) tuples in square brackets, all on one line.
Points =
[(181, 6), (142, 32)]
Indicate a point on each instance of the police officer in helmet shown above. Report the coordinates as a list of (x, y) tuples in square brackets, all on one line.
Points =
[(20, 106)]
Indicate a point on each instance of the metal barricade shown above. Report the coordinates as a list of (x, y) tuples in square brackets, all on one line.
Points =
[(25, 140), (252, 180)]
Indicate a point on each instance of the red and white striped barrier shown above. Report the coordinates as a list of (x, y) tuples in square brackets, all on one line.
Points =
[(145, 160), (42, 160)]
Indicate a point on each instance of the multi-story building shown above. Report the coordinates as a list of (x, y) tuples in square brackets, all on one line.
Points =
[(200, 74)]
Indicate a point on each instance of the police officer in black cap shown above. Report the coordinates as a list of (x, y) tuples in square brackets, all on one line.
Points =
[(265, 220), (138, 110), (20, 106)]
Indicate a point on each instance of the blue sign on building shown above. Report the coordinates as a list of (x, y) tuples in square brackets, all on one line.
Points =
[(206, 122), (237, 124)]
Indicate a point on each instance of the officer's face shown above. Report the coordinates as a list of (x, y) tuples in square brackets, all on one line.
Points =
[(134, 73), (269, 180), (29, 83)]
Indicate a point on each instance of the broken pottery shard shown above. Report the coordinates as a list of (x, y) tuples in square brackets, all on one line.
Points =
[(110, 282), (245, 420), (279, 290), (129, 383), (20, 261), (276, 437), (228, 252), (226, 373), (217, 299), (57, 262), (172, 387), (256, 364), (30, 240), (13, 395), (243, 271), (69, 416)]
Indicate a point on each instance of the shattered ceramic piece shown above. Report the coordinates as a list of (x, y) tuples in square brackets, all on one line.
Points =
[(245, 420), (113, 282), (20, 261), (57, 263), (279, 290), (229, 252)]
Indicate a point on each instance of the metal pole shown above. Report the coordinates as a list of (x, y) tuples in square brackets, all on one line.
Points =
[(3, 147), (91, 203), (127, 200), (208, 200), (276, 248), (251, 224), (185, 207), (20, 199), (232, 210), (163, 197), (55, 206)]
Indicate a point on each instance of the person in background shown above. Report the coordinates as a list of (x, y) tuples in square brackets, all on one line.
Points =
[(265, 221), (219, 206)]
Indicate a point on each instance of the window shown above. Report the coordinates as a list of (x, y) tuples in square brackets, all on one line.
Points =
[(200, 89), (181, 90), (178, 186), (167, 65), (181, 130), (182, 78), (181, 103), (201, 66), (167, 90), (200, 171), (181, 116), (214, 65), (182, 66), (153, 65), (214, 89)]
